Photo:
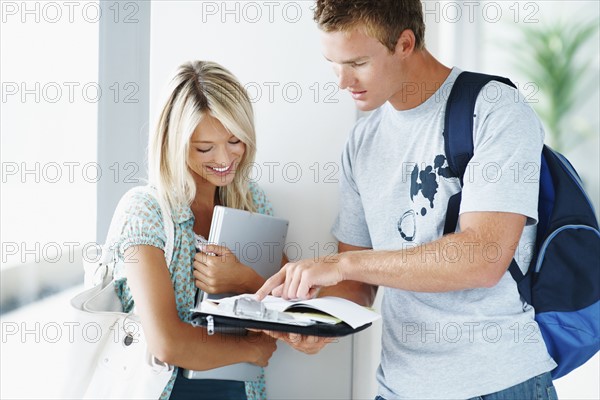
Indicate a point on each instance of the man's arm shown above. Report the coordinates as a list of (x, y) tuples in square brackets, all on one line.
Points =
[(358, 292), (478, 256)]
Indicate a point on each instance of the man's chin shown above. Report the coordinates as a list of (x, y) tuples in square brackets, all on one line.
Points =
[(366, 106)]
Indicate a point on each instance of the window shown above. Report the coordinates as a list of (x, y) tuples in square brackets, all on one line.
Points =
[(49, 107)]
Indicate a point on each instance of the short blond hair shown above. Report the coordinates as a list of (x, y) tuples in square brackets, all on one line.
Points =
[(200, 88), (383, 20)]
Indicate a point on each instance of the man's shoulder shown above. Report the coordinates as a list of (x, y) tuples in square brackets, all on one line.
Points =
[(495, 95)]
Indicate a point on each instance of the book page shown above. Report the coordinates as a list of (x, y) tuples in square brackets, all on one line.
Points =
[(345, 310), (342, 309)]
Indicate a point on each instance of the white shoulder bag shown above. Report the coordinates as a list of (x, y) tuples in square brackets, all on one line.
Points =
[(110, 358)]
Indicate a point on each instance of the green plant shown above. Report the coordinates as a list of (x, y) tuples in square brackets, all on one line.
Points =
[(548, 56)]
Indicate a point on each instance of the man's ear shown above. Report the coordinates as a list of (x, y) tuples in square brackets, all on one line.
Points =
[(406, 43)]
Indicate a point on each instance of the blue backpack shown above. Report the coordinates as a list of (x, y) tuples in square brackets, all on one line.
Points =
[(563, 281)]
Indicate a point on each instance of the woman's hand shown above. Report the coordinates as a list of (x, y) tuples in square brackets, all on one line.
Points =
[(263, 345), (217, 270)]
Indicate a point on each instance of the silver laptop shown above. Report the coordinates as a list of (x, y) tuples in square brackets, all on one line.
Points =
[(258, 241)]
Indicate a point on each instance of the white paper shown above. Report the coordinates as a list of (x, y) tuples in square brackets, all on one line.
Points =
[(345, 310)]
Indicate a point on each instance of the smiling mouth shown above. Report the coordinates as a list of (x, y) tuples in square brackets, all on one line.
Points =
[(221, 170)]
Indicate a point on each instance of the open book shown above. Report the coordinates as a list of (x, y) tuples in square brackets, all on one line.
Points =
[(275, 311)]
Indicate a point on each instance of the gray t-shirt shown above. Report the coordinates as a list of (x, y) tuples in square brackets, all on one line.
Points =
[(395, 185)]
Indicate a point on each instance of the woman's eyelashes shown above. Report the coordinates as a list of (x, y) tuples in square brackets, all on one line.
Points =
[(233, 141)]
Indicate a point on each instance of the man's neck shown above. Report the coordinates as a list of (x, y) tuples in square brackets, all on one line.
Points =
[(424, 76)]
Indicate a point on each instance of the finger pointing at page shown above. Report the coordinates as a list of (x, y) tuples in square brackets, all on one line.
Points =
[(277, 291), (273, 282), (302, 279)]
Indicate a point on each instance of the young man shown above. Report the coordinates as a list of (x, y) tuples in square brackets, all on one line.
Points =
[(454, 325)]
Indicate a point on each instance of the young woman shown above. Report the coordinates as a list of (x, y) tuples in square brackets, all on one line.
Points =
[(204, 140)]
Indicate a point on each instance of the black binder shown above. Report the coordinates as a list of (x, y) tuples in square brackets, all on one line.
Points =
[(232, 325)]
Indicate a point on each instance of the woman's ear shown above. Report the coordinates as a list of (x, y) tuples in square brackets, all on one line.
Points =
[(406, 43)]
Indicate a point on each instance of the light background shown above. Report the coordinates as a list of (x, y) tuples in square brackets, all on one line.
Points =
[(302, 122)]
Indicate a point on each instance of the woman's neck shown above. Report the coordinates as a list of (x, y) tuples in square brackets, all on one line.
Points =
[(206, 195)]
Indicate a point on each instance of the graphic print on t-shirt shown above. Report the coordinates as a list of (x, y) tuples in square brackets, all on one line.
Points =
[(423, 185)]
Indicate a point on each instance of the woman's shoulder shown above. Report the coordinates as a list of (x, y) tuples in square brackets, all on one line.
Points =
[(139, 202), (140, 195), (138, 219)]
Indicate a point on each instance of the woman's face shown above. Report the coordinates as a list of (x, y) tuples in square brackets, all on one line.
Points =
[(215, 153)]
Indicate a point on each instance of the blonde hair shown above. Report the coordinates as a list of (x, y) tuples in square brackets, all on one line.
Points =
[(200, 88)]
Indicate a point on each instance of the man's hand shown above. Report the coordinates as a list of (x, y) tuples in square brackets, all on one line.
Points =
[(302, 279)]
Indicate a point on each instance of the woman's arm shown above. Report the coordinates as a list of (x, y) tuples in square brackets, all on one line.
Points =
[(169, 338)]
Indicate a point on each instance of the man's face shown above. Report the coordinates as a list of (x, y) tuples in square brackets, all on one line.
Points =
[(364, 67)]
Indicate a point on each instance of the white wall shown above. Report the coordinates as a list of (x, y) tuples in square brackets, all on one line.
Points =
[(300, 137)]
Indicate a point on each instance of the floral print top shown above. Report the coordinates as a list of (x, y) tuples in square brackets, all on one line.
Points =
[(142, 224)]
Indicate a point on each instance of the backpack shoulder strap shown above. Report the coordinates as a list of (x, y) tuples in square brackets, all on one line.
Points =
[(458, 131), (458, 119), (458, 139)]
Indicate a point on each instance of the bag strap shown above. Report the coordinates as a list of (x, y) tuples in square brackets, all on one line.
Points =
[(458, 139), (458, 132), (459, 116)]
